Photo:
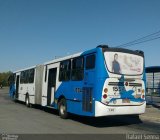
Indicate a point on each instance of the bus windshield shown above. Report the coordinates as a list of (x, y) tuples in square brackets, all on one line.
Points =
[(124, 63)]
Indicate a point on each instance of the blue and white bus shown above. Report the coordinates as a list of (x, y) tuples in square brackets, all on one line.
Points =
[(99, 82)]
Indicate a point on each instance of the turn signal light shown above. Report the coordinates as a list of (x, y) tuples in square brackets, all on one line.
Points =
[(142, 91), (126, 83), (105, 96), (105, 90)]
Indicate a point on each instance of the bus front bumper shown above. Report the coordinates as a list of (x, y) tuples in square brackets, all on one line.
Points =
[(104, 110)]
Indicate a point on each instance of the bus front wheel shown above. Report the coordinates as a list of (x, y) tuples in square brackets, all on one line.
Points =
[(14, 97), (63, 109)]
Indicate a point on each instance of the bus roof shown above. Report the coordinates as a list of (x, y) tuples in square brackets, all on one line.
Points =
[(152, 69), (50, 62), (24, 69), (62, 58), (103, 47)]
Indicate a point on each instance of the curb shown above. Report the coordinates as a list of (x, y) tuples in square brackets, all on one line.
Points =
[(151, 119), (156, 105)]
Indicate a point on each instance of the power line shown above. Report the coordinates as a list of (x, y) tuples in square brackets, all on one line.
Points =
[(147, 38), (142, 42), (141, 39)]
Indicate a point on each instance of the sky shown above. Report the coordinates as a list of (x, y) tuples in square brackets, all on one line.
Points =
[(36, 31)]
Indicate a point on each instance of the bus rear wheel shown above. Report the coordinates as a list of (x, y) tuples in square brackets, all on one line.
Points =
[(136, 117), (27, 101), (63, 109)]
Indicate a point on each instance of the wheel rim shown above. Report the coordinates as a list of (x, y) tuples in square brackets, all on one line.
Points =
[(62, 109), (27, 101)]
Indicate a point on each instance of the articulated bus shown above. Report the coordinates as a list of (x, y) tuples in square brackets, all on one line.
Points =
[(99, 82)]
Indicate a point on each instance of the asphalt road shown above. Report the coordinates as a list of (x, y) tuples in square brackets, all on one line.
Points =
[(16, 118)]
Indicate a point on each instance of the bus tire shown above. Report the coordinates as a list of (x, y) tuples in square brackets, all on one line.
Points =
[(134, 117), (27, 101), (14, 97), (63, 109)]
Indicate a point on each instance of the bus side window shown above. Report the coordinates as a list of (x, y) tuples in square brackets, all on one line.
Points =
[(26, 76), (31, 76), (90, 62), (22, 77), (65, 70), (77, 69)]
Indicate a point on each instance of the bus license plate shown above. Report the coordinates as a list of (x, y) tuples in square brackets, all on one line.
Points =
[(125, 101)]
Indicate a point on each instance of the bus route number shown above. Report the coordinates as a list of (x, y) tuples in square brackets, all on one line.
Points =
[(120, 89)]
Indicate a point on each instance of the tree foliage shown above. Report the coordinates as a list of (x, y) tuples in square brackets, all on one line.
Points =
[(4, 78)]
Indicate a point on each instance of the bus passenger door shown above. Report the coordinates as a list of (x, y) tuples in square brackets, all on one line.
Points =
[(89, 83), (76, 84), (51, 86), (17, 86)]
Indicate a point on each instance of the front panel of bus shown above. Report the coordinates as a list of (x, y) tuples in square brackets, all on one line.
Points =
[(123, 91)]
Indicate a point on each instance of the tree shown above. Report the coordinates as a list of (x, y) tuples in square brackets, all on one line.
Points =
[(4, 78)]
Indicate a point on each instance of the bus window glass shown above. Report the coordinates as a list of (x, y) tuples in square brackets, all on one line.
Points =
[(90, 62), (26, 77), (124, 63), (65, 70), (31, 76), (22, 77), (78, 69)]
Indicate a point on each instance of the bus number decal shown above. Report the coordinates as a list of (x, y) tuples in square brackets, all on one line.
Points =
[(118, 89)]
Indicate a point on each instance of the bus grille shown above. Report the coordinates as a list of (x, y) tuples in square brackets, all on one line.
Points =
[(87, 99)]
